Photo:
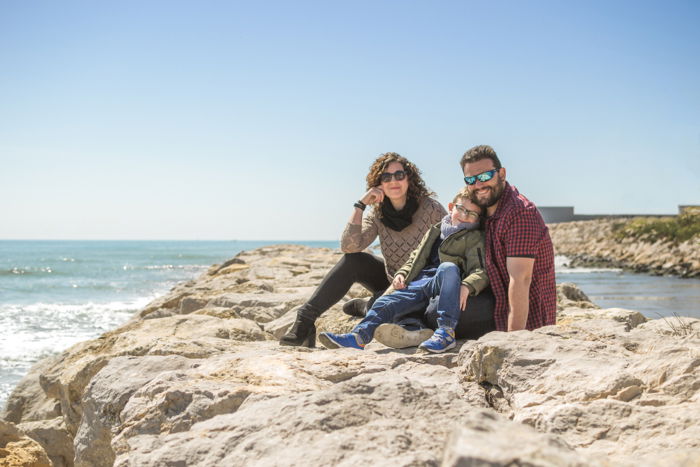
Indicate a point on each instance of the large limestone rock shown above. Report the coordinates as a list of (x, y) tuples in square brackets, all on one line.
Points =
[(198, 378), (594, 242), (611, 388), (18, 450)]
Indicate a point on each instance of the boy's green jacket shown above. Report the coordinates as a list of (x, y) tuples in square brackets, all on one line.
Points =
[(464, 248)]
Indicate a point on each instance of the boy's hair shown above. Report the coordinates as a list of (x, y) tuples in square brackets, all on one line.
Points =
[(463, 193), (478, 153)]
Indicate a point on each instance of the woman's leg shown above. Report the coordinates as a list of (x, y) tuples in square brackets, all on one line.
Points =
[(362, 268)]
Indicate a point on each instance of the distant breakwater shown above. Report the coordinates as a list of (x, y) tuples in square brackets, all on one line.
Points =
[(596, 243)]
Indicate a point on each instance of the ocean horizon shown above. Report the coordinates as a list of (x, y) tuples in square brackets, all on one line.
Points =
[(56, 293)]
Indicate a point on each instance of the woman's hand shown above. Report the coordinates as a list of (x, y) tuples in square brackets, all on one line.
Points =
[(373, 195), (463, 296), (398, 282)]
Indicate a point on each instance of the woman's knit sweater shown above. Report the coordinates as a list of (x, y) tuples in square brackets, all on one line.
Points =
[(395, 246)]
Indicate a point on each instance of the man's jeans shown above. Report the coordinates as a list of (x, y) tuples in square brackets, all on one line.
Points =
[(414, 298)]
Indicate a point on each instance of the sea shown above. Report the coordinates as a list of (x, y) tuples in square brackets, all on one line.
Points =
[(54, 294)]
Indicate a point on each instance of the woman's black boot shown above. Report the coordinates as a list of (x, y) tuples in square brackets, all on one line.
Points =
[(303, 332)]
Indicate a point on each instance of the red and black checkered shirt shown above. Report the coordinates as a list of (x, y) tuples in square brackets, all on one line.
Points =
[(517, 230)]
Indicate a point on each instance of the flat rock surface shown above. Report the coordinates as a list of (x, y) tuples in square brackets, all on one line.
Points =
[(197, 378)]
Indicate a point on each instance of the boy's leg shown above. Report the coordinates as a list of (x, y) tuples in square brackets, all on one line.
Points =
[(446, 284), (390, 308)]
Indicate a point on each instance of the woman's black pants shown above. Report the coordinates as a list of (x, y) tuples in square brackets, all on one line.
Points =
[(362, 268)]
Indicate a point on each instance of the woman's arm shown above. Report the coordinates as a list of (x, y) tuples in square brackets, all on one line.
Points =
[(360, 233)]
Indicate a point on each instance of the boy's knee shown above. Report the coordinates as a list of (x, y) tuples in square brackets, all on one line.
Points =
[(448, 267)]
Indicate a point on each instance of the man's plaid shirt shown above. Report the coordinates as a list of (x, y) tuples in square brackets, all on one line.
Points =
[(517, 229)]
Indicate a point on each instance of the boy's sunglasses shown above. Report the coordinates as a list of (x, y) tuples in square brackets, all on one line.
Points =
[(398, 175), (482, 177)]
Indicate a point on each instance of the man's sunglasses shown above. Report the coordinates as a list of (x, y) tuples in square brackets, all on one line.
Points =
[(482, 177), (398, 175)]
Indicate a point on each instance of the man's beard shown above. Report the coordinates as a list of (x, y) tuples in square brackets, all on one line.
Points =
[(494, 195)]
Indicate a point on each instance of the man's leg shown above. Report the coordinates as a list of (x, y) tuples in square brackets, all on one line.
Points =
[(475, 321)]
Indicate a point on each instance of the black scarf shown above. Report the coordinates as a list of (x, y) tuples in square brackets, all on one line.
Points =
[(398, 220)]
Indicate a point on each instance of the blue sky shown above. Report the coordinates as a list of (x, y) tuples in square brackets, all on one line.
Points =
[(233, 120)]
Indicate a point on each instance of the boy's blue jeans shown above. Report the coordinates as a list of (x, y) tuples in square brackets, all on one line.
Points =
[(395, 306)]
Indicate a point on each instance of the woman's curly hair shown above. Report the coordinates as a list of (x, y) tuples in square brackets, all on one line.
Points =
[(416, 185)]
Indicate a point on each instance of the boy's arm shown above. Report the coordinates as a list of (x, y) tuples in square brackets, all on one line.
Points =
[(476, 281), (476, 278), (406, 268)]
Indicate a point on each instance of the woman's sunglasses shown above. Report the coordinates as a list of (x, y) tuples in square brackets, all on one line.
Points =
[(482, 177), (398, 176)]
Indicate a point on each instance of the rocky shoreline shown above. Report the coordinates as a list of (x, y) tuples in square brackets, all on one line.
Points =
[(197, 378), (593, 244)]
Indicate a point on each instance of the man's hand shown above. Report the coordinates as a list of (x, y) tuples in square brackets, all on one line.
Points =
[(463, 296), (398, 282), (373, 195), (520, 277)]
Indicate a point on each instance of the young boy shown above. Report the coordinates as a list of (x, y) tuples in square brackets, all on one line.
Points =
[(448, 262)]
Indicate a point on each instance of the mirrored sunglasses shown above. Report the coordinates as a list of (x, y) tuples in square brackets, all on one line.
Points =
[(482, 177)]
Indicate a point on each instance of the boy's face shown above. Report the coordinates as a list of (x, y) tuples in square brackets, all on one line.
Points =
[(464, 211)]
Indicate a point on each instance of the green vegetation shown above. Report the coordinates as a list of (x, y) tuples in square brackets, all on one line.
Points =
[(676, 229)]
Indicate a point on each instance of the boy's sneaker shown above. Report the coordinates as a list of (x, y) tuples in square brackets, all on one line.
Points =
[(333, 341), (398, 337), (443, 339)]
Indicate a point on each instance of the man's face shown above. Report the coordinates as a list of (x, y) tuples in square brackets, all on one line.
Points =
[(485, 194)]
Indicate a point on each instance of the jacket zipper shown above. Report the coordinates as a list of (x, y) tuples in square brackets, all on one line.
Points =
[(481, 259)]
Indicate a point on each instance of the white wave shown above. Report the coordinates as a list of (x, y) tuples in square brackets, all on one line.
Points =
[(180, 266), (89, 307), (30, 332), (561, 266)]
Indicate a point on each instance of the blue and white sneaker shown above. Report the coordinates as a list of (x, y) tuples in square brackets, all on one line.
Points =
[(333, 341), (443, 339)]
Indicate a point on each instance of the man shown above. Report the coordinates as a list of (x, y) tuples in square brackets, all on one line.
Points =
[(519, 252)]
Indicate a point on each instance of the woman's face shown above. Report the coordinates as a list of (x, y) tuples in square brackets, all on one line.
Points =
[(394, 189)]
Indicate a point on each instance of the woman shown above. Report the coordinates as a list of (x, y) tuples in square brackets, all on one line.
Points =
[(403, 210)]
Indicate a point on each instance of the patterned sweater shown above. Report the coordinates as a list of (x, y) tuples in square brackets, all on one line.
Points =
[(396, 246)]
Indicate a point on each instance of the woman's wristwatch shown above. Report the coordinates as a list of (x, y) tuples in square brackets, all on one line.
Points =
[(360, 205)]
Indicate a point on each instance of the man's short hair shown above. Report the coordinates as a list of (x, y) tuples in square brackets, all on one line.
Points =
[(478, 153)]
